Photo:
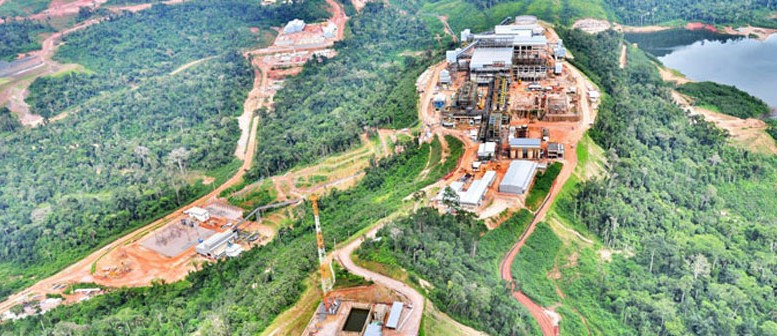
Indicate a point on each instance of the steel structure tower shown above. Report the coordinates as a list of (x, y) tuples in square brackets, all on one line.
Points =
[(327, 275)]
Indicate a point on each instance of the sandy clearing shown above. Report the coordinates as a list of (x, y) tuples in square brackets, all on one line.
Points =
[(592, 26), (748, 133), (760, 34), (669, 75), (359, 4)]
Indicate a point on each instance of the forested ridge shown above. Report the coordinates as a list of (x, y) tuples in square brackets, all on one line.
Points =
[(369, 84), (136, 138), (460, 258), (641, 12), (691, 212), (243, 295), (725, 99)]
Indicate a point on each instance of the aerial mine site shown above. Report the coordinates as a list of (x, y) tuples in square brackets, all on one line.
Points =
[(368, 168)]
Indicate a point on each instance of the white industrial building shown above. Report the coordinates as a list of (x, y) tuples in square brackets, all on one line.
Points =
[(198, 214), (491, 59), (445, 77), (294, 26), (519, 177), (477, 190), (486, 150), (216, 245)]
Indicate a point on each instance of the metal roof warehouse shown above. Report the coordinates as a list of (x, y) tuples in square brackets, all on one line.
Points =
[(518, 177)]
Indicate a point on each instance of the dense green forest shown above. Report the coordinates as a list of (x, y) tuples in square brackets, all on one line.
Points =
[(133, 47), (8, 121), (13, 8), (641, 12), (137, 138), (369, 84), (160, 39), (116, 163), (482, 15), (51, 95), (688, 212), (460, 258), (21, 36), (243, 295), (725, 99)]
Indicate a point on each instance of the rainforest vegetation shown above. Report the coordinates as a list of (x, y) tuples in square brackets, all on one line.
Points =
[(725, 99), (243, 295), (640, 12), (136, 138), (324, 109), (685, 212), (14, 8), (20, 36), (460, 258), (114, 164)]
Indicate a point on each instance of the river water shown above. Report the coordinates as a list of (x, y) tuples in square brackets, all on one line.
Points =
[(748, 64)]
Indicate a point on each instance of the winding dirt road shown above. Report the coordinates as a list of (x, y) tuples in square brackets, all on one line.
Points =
[(411, 324), (81, 270), (545, 317)]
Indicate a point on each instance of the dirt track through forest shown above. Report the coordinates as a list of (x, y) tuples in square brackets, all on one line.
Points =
[(80, 271), (545, 317)]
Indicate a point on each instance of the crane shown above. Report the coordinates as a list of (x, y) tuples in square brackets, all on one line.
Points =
[(327, 275)]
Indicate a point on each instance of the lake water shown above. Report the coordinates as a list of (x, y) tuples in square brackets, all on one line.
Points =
[(748, 64)]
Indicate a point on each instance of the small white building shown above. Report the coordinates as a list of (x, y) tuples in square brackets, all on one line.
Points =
[(486, 150), (294, 26), (465, 35), (445, 77), (456, 186), (594, 95), (234, 250), (198, 214)]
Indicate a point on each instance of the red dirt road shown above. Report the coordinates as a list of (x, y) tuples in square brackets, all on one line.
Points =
[(81, 270), (589, 115), (409, 325)]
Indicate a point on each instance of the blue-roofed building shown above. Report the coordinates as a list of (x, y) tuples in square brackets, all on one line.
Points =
[(396, 312)]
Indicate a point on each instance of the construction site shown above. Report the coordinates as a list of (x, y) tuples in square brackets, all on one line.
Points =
[(363, 310), (511, 92), (296, 44)]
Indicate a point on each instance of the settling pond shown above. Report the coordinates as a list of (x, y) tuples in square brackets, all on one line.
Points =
[(746, 63)]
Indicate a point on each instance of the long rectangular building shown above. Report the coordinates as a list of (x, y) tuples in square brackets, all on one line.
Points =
[(216, 245)]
